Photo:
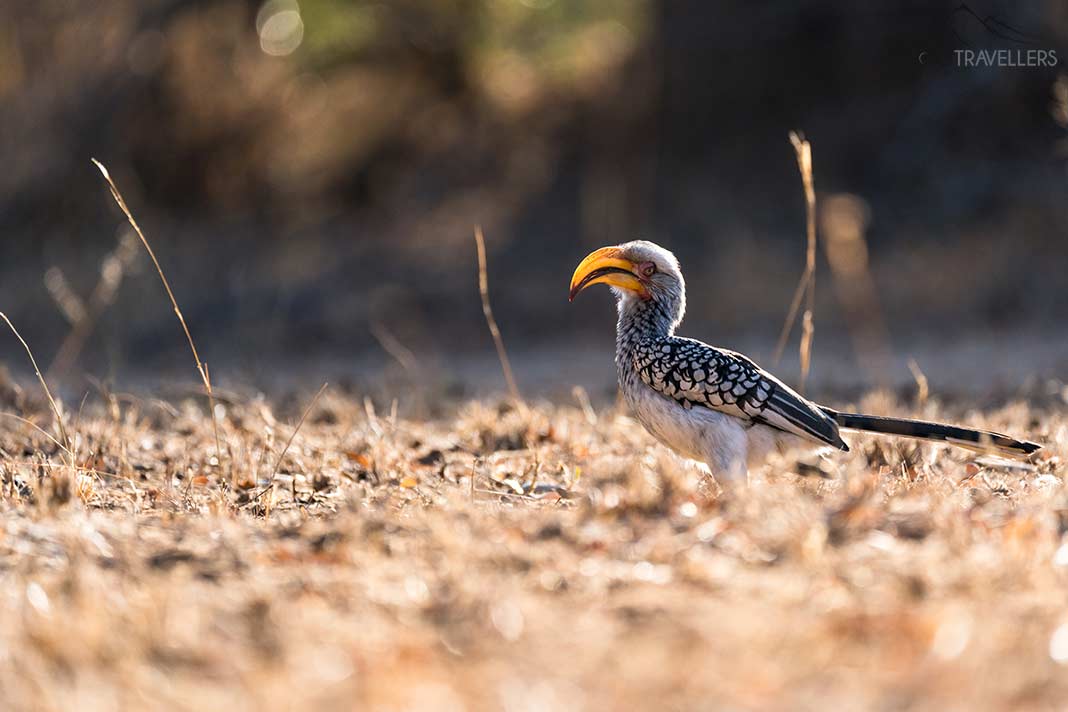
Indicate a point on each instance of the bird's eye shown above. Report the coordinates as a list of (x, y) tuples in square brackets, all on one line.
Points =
[(649, 270)]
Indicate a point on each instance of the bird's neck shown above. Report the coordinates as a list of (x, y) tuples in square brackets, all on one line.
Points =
[(640, 320)]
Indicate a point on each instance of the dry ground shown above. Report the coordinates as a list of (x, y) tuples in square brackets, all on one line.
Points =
[(535, 558)]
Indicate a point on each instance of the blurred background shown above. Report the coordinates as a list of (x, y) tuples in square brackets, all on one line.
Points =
[(309, 173)]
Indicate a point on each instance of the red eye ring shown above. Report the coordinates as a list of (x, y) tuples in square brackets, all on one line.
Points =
[(649, 270)]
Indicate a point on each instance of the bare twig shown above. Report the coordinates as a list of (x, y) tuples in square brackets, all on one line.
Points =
[(806, 288), (44, 387), (483, 288), (278, 462), (201, 367)]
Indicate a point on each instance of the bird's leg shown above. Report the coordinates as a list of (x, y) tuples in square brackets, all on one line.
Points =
[(732, 477)]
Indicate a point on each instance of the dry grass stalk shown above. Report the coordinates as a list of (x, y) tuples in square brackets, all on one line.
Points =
[(483, 288), (84, 315), (35, 426), (70, 304), (806, 288), (805, 347), (843, 222), (201, 367), (282, 455), (583, 399), (392, 346), (922, 387), (44, 386)]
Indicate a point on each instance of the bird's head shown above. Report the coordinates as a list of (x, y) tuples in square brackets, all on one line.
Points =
[(636, 270)]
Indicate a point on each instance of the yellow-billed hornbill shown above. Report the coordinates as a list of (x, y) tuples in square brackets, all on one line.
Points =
[(714, 405)]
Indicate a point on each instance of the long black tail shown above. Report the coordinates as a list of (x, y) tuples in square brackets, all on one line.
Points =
[(982, 441)]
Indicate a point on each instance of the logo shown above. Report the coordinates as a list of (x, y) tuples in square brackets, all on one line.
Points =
[(990, 41)]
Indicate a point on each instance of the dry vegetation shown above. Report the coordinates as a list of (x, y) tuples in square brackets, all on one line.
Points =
[(229, 551), (226, 551), (533, 558)]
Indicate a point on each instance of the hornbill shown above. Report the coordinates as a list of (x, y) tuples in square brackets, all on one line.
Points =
[(717, 406)]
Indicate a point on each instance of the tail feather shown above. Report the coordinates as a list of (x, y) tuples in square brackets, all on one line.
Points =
[(981, 441)]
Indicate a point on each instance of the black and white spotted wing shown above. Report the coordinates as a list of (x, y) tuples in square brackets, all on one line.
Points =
[(698, 375)]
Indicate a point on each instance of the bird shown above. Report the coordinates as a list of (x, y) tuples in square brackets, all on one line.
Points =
[(717, 406)]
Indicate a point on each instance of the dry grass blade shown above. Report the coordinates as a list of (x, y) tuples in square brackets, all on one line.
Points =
[(278, 462), (922, 387), (392, 346), (35, 426), (201, 367), (483, 288), (211, 404), (44, 387), (806, 288), (583, 399), (805, 347), (791, 317)]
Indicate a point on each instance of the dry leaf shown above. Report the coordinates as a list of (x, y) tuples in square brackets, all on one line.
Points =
[(360, 458)]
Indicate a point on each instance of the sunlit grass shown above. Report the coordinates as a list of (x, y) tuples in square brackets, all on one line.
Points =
[(545, 557)]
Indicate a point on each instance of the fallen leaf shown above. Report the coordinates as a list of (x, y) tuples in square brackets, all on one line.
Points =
[(360, 458)]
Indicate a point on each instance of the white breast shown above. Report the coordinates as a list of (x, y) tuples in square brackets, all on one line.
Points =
[(727, 444), (714, 438)]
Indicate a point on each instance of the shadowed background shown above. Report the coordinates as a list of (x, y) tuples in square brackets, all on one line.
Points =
[(309, 174)]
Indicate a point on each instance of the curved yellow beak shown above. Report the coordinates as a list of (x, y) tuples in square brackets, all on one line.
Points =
[(605, 266)]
